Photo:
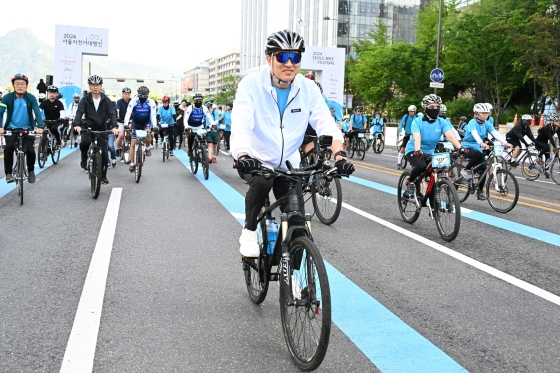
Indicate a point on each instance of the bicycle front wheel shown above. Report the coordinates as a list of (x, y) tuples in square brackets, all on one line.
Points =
[(205, 167), (362, 149), (21, 172), (55, 155), (307, 321), (194, 161), (139, 162), (352, 148), (256, 279), (459, 182), (407, 203), (530, 168), (95, 175), (404, 162), (555, 171), (327, 198), (502, 191), (43, 152), (447, 210), (164, 150)]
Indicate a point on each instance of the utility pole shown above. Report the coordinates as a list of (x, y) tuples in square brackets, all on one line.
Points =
[(439, 37)]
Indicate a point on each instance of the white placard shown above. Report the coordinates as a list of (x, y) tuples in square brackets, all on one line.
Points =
[(329, 64), (436, 85), (71, 43)]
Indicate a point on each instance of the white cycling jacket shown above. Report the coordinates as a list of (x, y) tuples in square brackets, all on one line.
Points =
[(258, 129)]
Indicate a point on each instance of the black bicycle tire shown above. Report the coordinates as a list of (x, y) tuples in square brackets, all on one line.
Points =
[(96, 175), (323, 219), (322, 344), (404, 162), (382, 146), (21, 172), (139, 161), (42, 154), (205, 166), (524, 172), (457, 224), (515, 198), (163, 151), (194, 160), (555, 168), (57, 152), (258, 295), (352, 147), (454, 175), (410, 220), (362, 148)]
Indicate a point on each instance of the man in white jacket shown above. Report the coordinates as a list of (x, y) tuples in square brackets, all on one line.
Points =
[(270, 114)]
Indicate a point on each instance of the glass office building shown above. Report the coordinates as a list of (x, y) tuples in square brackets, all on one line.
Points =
[(326, 23)]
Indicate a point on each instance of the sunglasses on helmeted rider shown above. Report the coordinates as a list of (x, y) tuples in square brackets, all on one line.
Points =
[(283, 57)]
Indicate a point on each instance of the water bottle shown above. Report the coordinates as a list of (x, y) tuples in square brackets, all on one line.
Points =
[(272, 234)]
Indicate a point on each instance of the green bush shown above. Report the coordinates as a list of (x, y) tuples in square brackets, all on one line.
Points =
[(459, 107)]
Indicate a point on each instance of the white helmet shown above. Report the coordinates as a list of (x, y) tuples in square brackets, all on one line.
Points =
[(481, 108), (526, 117), (412, 108), (430, 99), (490, 106), (442, 109)]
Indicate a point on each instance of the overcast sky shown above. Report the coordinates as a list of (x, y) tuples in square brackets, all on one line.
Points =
[(176, 34)]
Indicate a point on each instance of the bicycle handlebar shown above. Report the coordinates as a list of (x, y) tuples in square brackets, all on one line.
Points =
[(297, 172)]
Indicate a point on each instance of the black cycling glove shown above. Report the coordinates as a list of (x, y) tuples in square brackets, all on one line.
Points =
[(247, 165), (344, 167)]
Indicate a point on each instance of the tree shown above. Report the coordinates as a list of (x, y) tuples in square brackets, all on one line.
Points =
[(229, 89)]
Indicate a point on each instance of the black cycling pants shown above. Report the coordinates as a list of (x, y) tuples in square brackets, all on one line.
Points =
[(419, 165), (476, 157), (192, 134), (227, 135), (180, 132), (543, 148), (29, 150), (259, 188), (102, 143), (54, 129)]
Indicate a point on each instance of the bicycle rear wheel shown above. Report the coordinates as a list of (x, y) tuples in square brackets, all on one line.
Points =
[(95, 175), (306, 322), (530, 169), (555, 171), (404, 162), (164, 151), (205, 166), (139, 162), (459, 182), (20, 176), (379, 145), (502, 191), (447, 210), (407, 204), (43, 152), (352, 148), (256, 279), (323, 192)]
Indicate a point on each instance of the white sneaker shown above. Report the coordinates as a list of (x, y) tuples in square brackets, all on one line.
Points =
[(249, 246), (467, 174)]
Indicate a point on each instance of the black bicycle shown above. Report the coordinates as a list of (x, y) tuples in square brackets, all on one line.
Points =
[(165, 141), (47, 146), (125, 147), (94, 163), (502, 189), (139, 153), (325, 189), (200, 153), (19, 170), (358, 144), (295, 261)]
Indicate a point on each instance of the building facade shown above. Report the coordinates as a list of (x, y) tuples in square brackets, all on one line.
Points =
[(228, 64), (196, 80), (322, 23)]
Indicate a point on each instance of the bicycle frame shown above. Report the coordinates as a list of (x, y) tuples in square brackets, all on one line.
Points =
[(492, 166), (433, 174)]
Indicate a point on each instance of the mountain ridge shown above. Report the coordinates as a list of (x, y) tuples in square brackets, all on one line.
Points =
[(21, 51)]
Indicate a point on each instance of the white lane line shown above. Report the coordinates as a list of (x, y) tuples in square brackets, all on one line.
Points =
[(463, 258), (387, 155), (80, 350), (237, 215)]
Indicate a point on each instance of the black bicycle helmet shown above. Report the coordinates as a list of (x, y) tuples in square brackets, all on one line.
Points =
[(198, 96), (143, 90), (95, 79), (19, 76), (463, 117), (126, 90), (284, 40)]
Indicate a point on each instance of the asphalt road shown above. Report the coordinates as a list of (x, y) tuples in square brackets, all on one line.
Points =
[(175, 300)]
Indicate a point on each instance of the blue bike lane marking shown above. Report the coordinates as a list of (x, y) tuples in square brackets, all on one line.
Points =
[(524, 230), (385, 339), (7, 188)]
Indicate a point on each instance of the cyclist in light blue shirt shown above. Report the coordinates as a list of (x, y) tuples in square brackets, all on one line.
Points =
[(405, 125), (226, 119), (166, 114), (377, 124)]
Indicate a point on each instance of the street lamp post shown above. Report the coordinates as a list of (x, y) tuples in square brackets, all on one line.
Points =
[(327, 18), (438, 37)]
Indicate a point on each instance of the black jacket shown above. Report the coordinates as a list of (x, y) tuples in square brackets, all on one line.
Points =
[(546, 134), (42, 87), (520, 130), (105, 118)]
